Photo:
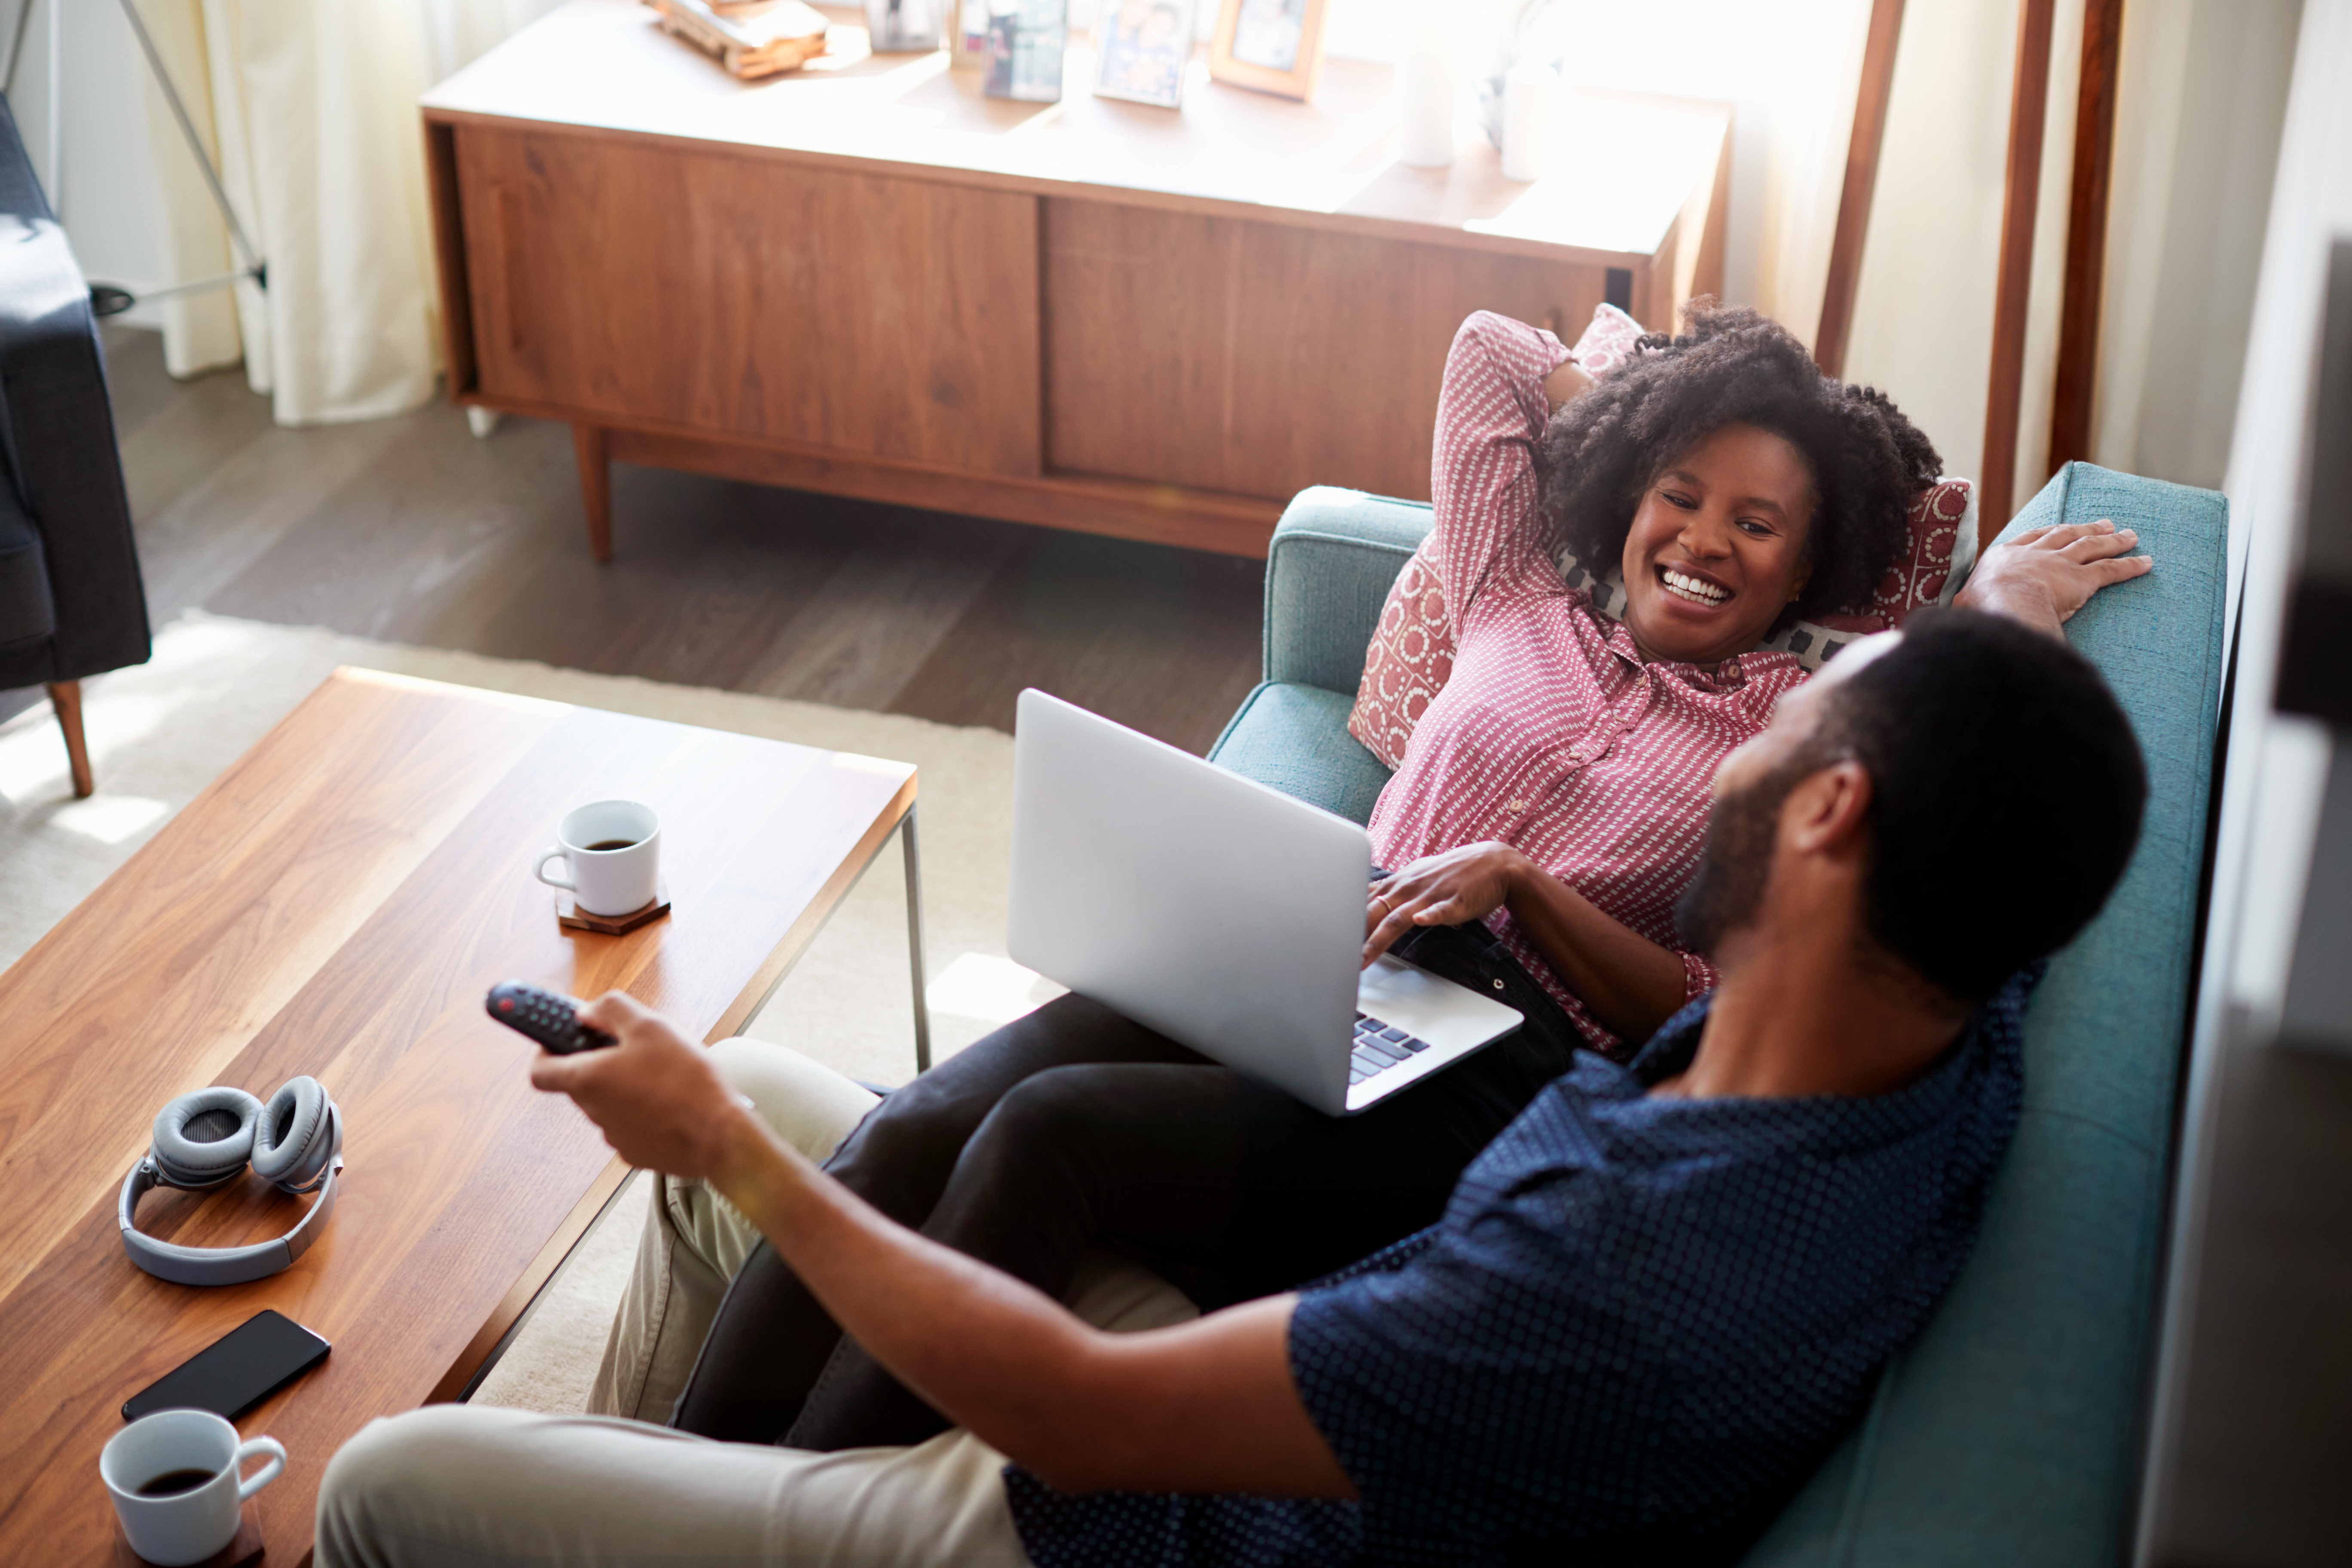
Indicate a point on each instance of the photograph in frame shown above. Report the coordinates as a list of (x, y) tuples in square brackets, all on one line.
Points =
[(1026, 42), (968, 37), (902, 27), (1142, 49), (1272, 46), (1267, 33)]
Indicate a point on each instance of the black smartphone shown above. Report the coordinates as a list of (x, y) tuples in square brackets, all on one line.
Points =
[(236, 1371)]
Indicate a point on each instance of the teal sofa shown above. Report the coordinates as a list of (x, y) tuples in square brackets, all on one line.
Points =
[(2009, 1434)]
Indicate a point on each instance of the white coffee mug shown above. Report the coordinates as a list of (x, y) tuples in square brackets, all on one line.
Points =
[(183, 1523), (613, 850)]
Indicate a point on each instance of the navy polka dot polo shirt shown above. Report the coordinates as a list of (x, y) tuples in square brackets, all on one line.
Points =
[(1639, 1325)]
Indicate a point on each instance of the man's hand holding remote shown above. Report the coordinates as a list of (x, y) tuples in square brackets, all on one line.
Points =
[(1205, 1406), (656, 1097)]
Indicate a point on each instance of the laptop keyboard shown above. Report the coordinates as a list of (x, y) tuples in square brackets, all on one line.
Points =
[(1380, 1047)]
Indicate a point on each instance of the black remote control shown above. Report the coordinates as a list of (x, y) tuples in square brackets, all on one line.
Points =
[(547, 1017)]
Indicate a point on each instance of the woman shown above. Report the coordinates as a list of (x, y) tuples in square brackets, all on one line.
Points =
[(1560, 781), (1560, 785)]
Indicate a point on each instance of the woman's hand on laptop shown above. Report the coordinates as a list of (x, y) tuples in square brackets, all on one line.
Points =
[(1626, 981), (1448, 890)]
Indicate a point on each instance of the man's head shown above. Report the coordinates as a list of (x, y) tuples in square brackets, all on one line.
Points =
[(1978, 773)]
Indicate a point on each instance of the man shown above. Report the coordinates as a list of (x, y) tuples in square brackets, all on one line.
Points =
[(1653, 1303)]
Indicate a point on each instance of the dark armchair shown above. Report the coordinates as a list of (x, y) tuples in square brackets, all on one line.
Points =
[(71, 601)]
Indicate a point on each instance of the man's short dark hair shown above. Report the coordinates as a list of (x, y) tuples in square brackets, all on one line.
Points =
[(2006, 795)]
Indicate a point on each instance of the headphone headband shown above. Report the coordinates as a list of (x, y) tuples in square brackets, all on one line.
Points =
[(307, 1162)]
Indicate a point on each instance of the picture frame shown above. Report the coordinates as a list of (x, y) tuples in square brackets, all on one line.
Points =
[(1143, 50), (1270, 46), (968, 36), (903, 26), (1028, 40)]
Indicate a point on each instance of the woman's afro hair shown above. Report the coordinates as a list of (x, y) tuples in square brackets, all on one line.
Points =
[(1734, 366)]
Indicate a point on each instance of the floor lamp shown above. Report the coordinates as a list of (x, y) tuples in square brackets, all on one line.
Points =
[(107, 298)]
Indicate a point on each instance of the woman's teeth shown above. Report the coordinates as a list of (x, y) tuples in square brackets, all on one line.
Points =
[(1697, 592)]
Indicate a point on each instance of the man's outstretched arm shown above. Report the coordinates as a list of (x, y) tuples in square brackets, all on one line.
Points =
[(1207, 1407)]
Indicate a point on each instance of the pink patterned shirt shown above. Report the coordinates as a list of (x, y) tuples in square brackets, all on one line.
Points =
[(1553, 734)]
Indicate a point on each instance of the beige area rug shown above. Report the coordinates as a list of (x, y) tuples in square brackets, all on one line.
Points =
[(161, 732)]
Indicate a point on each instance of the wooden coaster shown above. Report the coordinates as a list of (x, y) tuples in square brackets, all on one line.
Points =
[(571, 917), (243, 1548)]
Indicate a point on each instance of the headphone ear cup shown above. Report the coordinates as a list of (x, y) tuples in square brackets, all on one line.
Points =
[(204, 1139), (294, 1137)]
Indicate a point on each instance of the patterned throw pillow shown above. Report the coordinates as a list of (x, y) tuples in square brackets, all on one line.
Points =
[(1412, 653), (1609, 342)]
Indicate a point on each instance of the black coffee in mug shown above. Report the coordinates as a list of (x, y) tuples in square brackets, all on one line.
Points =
[(172, 1483), (611, 850)]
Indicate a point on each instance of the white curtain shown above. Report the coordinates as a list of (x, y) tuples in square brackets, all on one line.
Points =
[(310, 110), (1789, 69)]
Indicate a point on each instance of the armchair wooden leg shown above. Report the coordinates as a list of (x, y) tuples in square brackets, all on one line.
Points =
[(589, 446), (64, 696)]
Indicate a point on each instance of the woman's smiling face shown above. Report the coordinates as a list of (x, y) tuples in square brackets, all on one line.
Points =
[(1718, 547)]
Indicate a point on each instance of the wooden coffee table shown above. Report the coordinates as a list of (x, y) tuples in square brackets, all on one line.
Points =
[(336, 903)]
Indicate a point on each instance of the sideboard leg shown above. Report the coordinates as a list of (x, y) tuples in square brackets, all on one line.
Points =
[(589, 446)]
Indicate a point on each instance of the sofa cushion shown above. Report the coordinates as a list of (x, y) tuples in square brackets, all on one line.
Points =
[(1610, 339), (1295, 738), (2007, 1432)]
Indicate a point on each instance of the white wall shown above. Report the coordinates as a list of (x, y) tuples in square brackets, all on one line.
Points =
[(1788, 68), (2275, 768)]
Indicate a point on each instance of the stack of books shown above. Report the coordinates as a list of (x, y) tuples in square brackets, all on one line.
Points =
[(751, 38)]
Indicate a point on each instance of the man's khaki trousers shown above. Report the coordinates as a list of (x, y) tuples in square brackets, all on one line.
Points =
[(459, 1485)]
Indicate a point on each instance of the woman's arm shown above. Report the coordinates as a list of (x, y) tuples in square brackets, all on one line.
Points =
[(1627, 982), (1498, 395), (1206, 1407)]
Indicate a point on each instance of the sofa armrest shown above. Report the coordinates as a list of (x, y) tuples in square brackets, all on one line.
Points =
[(1334, 556)]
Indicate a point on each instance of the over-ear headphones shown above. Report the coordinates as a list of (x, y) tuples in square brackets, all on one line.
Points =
[(203, 1140)]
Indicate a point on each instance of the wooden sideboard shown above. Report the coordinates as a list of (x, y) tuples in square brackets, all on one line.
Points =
[(870, 279)]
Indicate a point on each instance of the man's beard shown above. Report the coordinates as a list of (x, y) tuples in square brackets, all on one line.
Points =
[(1737, 860)]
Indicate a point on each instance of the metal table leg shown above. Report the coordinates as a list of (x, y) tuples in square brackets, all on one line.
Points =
[(915, 939)]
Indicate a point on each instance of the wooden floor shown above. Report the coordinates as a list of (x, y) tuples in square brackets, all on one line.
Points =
[(410, 530)]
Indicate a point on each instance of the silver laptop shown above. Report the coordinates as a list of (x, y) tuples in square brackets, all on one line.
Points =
[(1226, 915)]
